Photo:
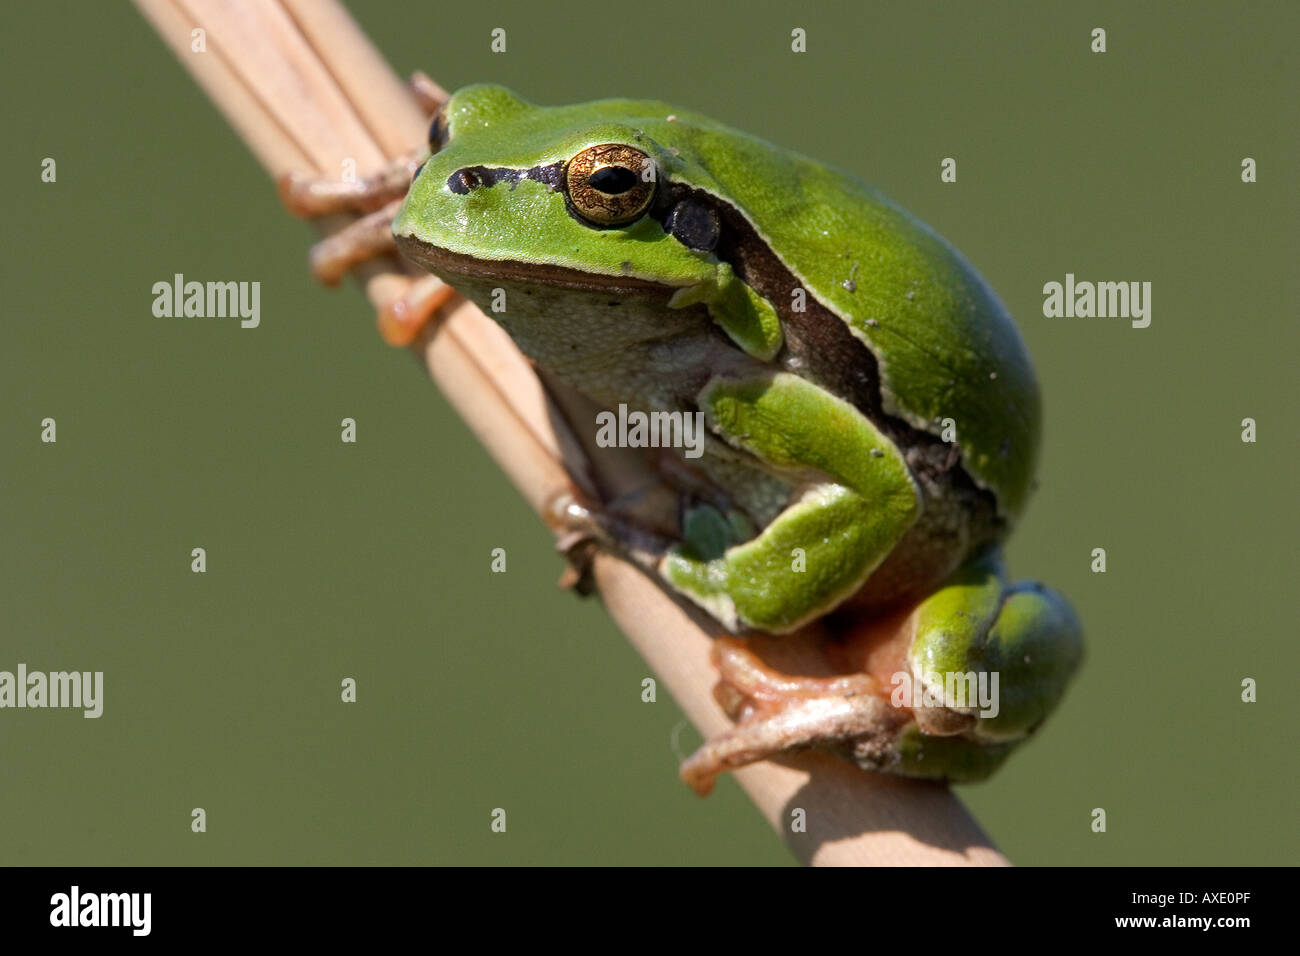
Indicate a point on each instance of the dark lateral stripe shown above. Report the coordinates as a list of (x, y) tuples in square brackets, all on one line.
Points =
[(474, 177)]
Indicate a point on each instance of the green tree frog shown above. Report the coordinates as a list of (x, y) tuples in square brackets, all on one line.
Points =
[(872, 414)]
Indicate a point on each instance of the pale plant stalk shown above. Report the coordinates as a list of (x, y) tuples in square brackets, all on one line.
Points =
[(305, 89)]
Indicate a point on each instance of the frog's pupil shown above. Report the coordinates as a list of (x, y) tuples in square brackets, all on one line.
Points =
[(612, 180)]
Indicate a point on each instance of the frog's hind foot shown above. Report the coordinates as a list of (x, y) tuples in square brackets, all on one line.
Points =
[(778, 713)]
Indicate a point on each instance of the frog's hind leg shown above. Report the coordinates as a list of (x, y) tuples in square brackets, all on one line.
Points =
[(943, 690), (858, 500)]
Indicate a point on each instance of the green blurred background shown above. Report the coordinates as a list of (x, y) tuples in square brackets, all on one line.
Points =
[(371, 560)]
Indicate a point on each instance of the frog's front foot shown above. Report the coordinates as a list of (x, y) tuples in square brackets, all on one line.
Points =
[(377, 199), (777, 713)]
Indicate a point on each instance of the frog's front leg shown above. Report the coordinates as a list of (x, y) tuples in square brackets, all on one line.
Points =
[(944, 692), (856, 501), (310, 196), (401, 319)]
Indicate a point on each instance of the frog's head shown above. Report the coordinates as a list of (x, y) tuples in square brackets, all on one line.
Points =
[(571, 196)]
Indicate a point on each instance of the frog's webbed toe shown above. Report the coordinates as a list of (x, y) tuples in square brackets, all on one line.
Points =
[(778, 713)]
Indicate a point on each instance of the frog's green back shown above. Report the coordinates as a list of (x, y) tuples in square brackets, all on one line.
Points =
[(945, 346)]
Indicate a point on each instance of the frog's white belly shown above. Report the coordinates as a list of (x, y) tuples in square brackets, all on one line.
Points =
[(614, 348), (634, 350)]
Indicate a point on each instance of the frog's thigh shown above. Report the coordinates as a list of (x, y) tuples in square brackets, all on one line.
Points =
[(822, 547), (1024, 633)]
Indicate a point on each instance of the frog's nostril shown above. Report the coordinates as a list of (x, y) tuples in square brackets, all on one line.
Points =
[(463, 180)]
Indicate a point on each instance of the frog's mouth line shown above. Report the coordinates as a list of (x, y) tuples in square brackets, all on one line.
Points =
[(451, 264)]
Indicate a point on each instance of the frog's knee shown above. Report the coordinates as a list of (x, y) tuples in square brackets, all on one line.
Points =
[(814, 555), (1001, 655)]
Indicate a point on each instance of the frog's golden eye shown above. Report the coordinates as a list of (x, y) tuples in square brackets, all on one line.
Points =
[(610, 185)]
